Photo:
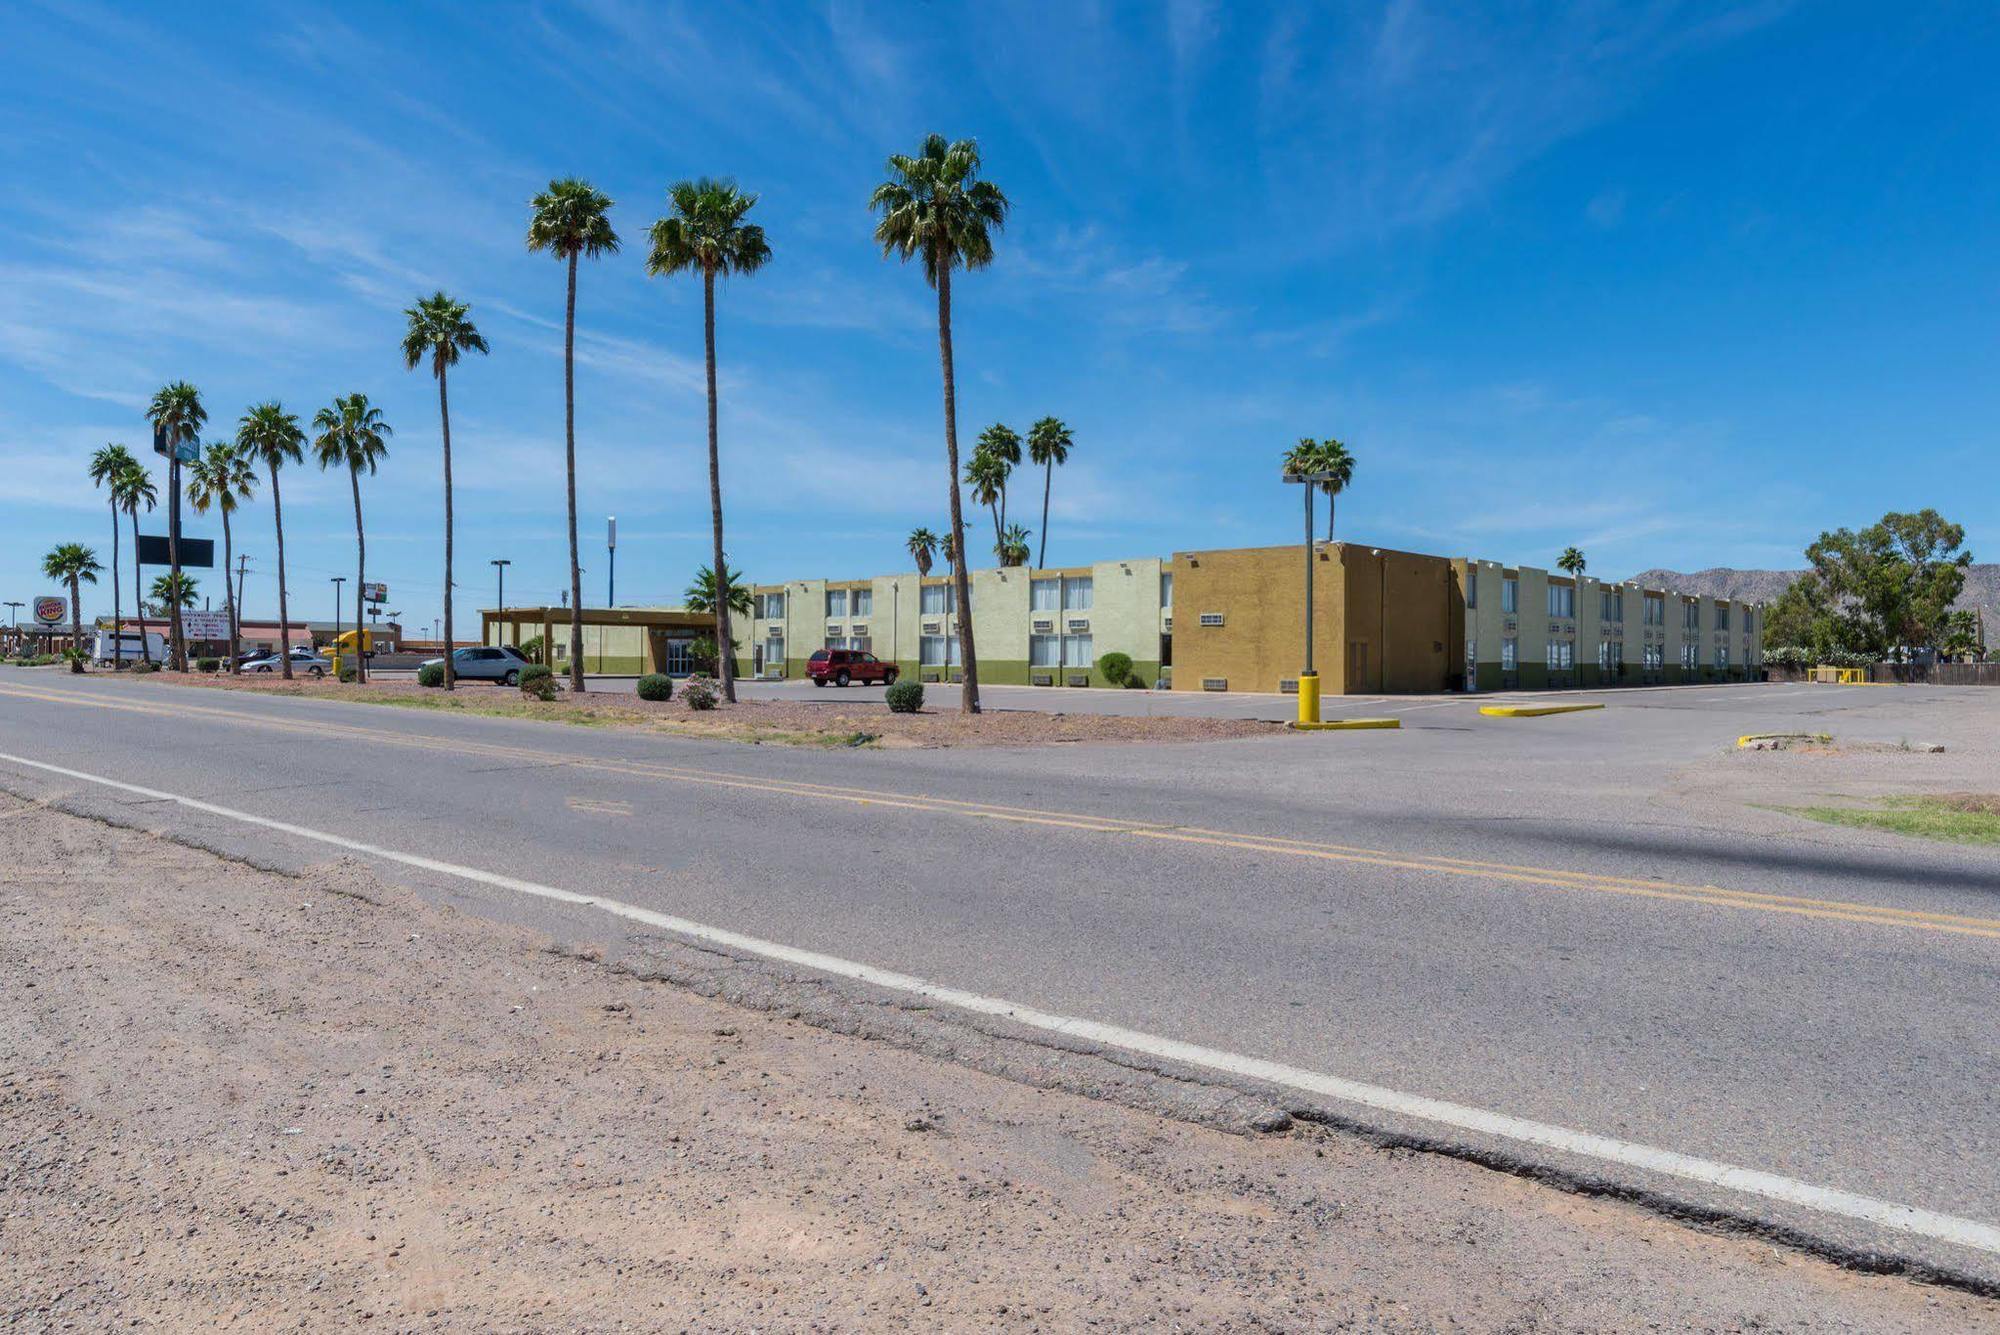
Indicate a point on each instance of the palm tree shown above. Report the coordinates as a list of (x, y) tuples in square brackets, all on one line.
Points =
[(1049, 443), (177, 414), (923, 546), (73, 563), (130, 489), (1336, 467), (935, 209), (706, 234), (1571, 562), (351, 434), (223, 477), (175, 590), (270, 433), (105, 468), (1012, 548), (1001, 443), (948, 549), (440, 331), (987, 476), (571, 219), (699, 596)]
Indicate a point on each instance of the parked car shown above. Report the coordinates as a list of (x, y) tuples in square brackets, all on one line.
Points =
[(842, 666), (303, 660), (503, 664)]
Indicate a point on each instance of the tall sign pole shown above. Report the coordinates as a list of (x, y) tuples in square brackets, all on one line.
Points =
[(611, 546), (1308, 677)]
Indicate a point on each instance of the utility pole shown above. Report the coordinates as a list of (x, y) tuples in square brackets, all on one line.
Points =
[(500, 564), (611, 576), (337, 581)]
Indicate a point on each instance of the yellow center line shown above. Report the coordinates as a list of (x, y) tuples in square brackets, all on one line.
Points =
[(1465, 868)]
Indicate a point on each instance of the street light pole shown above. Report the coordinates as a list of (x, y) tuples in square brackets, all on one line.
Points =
[(338, 580), (1308, 677), (611, 575), (500, 564)]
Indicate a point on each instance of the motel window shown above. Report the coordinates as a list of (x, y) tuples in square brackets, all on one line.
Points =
[(1510, 654), (935, 600), (1690, 615), (1167, 589), (1510, 595), (1044, 595), (1554, 656), (836, 641), (1166, 651), (951, 651), (1722, 655), (864, 643), (1076, 651), (836, 604), (1077, 594), (1044, 651), (1722, 616), (1611, 605), (1688, 659), (1656, 610), (931, 650), (770, 606), (862, 602), (1562, 600)]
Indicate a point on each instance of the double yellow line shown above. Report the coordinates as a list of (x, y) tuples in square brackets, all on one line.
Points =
[(1464, 868)]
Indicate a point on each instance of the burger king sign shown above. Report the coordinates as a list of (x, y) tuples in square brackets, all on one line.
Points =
[(51, 611)]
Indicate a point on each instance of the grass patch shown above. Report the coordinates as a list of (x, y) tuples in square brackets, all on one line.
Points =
[(1961, 818)]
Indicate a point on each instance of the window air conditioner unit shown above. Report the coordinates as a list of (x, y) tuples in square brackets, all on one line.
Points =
[(1215, 683), (1045, 625), (1211, 619), (1079, 679), (1288, 686), (933, 627), (1042, 679), (1079, 623)]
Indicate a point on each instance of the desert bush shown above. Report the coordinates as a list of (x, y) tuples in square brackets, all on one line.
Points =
[(656, 686), (349, 672), (905, 697), (538, 683), (141, 666), (699, 692), (431, 674), (207, 665)]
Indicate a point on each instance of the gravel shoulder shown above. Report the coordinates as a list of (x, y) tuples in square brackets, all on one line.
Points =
[(835, 722), (231, 1097)]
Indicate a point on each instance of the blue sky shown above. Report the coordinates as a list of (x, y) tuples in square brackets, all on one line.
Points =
[(1681, 285)]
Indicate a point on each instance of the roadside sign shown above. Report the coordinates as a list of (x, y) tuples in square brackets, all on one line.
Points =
[(51, 611), (187, 451), (375, 593), (196, 553), (205, 625)]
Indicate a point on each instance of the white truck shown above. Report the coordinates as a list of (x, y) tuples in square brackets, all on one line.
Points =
[(130, 645)]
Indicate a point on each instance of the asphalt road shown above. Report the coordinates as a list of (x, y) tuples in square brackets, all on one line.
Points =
[(1547, 919)]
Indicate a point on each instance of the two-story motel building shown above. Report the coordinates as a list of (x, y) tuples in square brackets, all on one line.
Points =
[(1226, 620)]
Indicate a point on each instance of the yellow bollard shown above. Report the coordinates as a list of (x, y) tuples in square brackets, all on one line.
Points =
[(1309, 697)]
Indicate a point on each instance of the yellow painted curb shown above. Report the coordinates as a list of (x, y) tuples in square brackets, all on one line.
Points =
[(1533, 711), (1752, 738), (1346, 724)]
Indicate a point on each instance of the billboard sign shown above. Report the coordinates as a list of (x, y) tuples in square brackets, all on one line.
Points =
[(196, 553), (186, 450), (51, 611), (375, 593), (205, 625)]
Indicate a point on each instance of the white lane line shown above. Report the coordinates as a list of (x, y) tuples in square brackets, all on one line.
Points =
[(1828, 1200)]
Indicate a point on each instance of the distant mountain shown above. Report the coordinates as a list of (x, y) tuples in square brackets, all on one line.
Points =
[(1982, 586)]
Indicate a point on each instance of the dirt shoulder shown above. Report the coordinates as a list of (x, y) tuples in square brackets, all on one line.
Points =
[(835, 723), (230, 1097)]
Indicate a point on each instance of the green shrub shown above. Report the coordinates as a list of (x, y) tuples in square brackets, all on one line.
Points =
[(76, 658), (207, 665), (699, 692), (541, 688), (536, 672), (905, 697), (431, 674), (531, 648), (656, 686), (1845, 658), (1115, 667), (1788, 656), (349, 672)]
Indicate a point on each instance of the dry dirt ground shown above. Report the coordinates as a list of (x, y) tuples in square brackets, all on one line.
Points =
[(849, 723), (235, 1098)]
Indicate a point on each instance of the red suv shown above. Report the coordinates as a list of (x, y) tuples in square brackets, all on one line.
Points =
[(841, 666)]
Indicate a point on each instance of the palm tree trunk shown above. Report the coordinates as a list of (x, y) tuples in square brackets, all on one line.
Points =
[(76, 613), (969, 665), (117, 623), (229, 590), (1048, 478), (284, 609), (360, 574), (444, 418), (725, 647), (569, 443), (138, 591), (1329, 516), (177, 650)]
